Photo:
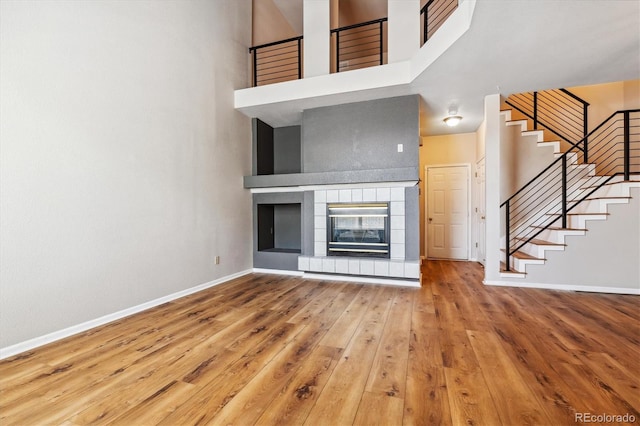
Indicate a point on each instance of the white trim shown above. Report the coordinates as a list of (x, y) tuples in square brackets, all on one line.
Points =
[(276, 189), (277, 272), (398, 184), (79, 328), (565, 287), (302, 188), (467, 166), (363, 280)]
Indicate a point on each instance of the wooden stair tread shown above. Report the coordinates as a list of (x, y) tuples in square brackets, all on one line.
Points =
[(523, 256), (559, 228), (542, 242), (602, 198), (503, 269), (578, 214)]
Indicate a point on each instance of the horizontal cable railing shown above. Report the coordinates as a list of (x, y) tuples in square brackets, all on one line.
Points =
[(546, 200), (360, 45), (433, 15), (557, 110), (278, 61)]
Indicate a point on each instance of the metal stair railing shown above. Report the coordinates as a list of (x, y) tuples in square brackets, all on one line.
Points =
[(547, 199)]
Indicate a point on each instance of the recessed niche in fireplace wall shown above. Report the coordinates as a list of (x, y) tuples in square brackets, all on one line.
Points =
[(276, 150), (280, 228)]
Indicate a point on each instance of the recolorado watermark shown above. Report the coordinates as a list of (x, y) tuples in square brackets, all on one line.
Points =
[(604, 418)]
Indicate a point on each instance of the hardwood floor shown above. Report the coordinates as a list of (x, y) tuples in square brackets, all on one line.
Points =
[(267, 349)]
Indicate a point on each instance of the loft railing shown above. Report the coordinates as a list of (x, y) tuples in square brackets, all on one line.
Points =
[(547, 199), (278, 61), (360, 45), (558, 110), (433, 15)]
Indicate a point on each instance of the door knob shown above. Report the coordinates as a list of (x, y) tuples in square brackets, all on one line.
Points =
[(430, 219)]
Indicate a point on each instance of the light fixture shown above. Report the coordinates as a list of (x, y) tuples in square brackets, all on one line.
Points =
[(453, 119)]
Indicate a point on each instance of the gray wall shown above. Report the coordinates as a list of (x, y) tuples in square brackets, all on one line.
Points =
[(122, 156), (288, 226), (286, 150), (412, 223), (361, 136)]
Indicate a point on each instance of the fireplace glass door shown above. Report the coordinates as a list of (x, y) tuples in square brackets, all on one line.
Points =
[(358, 230)]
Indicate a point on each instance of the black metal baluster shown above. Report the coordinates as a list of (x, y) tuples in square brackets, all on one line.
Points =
[(507, 236), (255, 67), (381, 42), (627, 147), (564, 191), (299, 58), (535, 110), (337, 51), (585, 130)]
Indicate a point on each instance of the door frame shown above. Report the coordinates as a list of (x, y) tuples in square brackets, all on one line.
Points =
[(467, 167), (478, 223)]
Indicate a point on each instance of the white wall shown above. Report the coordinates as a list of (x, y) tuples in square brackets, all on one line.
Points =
[(404, 29), (121, 155), (316, 52)]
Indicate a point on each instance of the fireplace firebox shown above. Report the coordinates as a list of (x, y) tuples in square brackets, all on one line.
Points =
[(358, 229)]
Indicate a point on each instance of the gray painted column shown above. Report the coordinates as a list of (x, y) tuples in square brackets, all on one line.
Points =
[(317, 51)]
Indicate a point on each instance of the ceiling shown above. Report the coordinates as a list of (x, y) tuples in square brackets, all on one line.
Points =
[(512, 46)]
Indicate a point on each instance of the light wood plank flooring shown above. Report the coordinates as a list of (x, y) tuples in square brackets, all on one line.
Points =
[(267, 349)]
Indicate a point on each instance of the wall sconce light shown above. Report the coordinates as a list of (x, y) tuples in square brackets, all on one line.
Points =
[(453, 119)]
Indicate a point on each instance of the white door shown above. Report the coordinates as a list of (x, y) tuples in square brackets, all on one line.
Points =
[(448, 212), (480, 212)]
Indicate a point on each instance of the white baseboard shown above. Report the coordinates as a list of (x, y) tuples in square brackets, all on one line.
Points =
[(79, 328), (565, 287), (278, 272), (363, 280)]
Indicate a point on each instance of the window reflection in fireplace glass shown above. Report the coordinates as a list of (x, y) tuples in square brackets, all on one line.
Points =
[(358, 229)]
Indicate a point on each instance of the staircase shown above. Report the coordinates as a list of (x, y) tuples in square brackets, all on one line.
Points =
[(586, 175)]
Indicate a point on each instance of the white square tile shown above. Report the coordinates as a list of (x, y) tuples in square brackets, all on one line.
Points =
[(356, 195), (397, 222), (328, 265), (320, 209), (320, 196), (381, 268), (320, 222), (368, 194), (412, 270), (397, 236), (383, 194), (366, 267), (397, 194), (342, 266), (320, 249), (303, 263), (396, 269), (397, 251), (344, 195), (333, 196), (315, 264), (320, 236), (397, 208), (354, 267)]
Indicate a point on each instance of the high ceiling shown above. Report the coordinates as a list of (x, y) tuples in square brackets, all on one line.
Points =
[(511, 46)]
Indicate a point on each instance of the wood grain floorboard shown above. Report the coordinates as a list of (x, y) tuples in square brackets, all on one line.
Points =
[(279, 350)]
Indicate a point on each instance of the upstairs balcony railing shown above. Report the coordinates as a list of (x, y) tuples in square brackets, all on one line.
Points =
[(278, 61), (433, 14), (355, 46), (360, 45)]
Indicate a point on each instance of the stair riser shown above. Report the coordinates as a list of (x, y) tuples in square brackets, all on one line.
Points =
[(539, 251), (597, 206), (558, 236)]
